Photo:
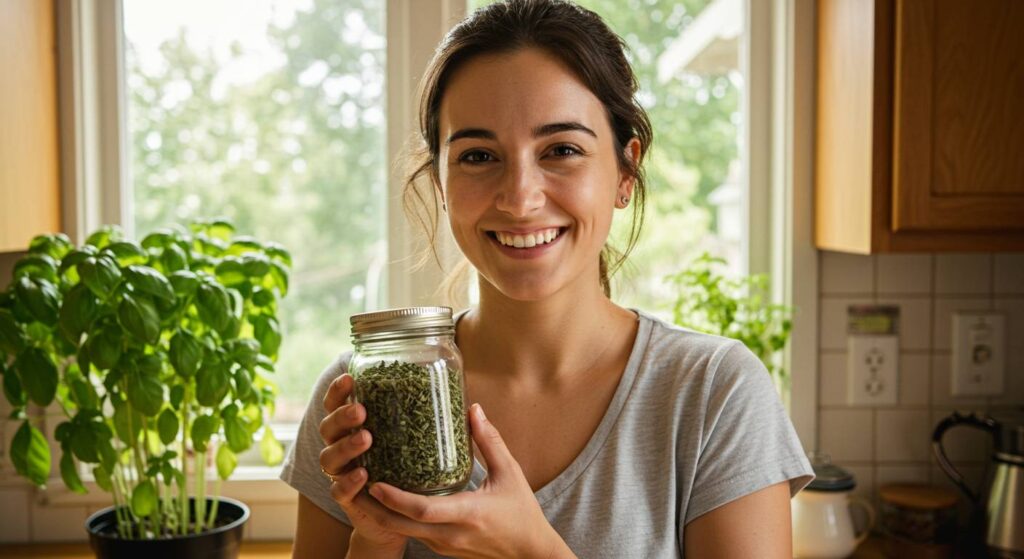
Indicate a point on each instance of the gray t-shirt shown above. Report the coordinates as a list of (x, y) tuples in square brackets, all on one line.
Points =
[(694, 424)]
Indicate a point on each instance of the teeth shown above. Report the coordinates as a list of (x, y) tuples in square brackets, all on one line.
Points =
[(528, 240)]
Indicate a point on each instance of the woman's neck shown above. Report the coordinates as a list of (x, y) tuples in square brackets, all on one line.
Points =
[(543, 342)]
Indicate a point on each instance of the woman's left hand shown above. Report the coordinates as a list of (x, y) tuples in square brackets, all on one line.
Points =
[(500, 519)]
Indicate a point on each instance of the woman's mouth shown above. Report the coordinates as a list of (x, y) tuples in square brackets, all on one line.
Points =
[(524, 244)]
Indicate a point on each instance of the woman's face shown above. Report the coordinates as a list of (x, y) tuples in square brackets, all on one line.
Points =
[(529, 173)]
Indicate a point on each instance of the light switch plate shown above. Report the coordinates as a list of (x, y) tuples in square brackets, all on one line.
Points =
[(873, 370), (979, 353)]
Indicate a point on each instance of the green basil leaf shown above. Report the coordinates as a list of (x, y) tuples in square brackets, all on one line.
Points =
[(127, 253), (76, 257), (230, 271), (173, 258), (139, 317), (84, 443), (220, 229), (77, 312), (255, 265), (167, 426), (38, 374), (177, 395), (267, 331), (214, 305), (40, 266), (184, 283), (54, 245), (211, 384), (69, 473), (186, 353), (63, 433), (144, 498), (278, 252), (127, 421), (237, 435), (30, 454), (13, 390), (243, 383), (203, 428), (40, 297), (101, 274), (105, 347), (271, 449), (158, 239), (148, 280), (102, 476), (226, 462), (278, 278), (263, 298), (145, 393), (83, 393), (244, 244), (12, 337)]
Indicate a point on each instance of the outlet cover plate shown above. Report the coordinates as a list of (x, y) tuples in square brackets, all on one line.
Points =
[(872, 370), (979, 353)]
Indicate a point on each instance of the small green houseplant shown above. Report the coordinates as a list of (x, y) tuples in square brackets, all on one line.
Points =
[(740, 308), (157, 353)]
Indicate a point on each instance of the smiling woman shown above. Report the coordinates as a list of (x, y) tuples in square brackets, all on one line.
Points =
[(608, 433)]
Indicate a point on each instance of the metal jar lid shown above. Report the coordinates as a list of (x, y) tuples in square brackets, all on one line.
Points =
[(403, 323)]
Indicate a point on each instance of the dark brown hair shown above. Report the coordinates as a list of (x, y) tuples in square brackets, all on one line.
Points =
[(578, 38)]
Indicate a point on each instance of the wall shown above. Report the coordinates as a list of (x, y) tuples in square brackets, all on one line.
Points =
[(892, 443)]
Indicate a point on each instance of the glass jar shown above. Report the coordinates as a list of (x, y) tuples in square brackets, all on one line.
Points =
[(408, 376)]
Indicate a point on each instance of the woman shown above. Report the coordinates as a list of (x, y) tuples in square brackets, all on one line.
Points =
[(608, 432)]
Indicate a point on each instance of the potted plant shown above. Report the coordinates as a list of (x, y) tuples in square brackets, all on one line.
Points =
[(157, 354), (738, 308)]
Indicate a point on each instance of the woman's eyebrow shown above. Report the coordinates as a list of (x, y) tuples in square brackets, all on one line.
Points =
[(542, 130)]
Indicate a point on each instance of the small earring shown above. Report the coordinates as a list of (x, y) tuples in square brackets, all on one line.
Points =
[(624, 200)]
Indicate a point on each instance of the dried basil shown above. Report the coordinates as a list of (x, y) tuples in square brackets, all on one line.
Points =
[(417, 417)]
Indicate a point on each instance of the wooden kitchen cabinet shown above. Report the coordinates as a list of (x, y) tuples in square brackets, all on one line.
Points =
[(29, 153), (919, 141)]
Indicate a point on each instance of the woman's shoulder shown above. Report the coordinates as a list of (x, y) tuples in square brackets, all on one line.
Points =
[(334, 370)]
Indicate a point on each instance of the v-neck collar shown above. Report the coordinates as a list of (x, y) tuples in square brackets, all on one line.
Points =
[(575, 469)]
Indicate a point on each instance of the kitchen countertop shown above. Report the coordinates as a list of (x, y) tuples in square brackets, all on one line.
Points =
[(250, 550)]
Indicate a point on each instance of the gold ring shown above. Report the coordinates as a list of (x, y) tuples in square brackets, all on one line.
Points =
[(329, 475)]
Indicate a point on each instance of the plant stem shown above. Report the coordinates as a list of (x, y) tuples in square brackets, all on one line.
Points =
[(200, 497), (183, 489), (211, 521)]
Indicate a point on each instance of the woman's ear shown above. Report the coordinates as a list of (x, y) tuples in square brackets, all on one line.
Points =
[(627, 181)]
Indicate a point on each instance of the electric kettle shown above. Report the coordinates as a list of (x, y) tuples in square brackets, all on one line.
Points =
[(1004, 506)]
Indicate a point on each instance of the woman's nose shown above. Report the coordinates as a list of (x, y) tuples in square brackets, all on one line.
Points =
[(521, 191)]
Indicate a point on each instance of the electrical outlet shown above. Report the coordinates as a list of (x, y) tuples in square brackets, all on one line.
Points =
[(979, 354), (873, 370)]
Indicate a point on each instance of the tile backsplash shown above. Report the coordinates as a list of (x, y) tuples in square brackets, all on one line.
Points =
[(883, 444)]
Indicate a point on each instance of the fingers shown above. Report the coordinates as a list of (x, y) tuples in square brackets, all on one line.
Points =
[(430, 510), (492, 446), (338, 392), (337, 458), (346, 487), (341, 421)]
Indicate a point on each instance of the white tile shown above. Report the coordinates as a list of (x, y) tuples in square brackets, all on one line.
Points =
[(944, 309), (942, 382), (1009, 274), (833, 321), (1013, 307), (58, 523), (847, 274), (963, 444), (902, 435), (14, 514), (915, 321), (846, 434), (273, 521), (903, 274), (1013, 379), (963, 274), (832, 382), (915, 379)]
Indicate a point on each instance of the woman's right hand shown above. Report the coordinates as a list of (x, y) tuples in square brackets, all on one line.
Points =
[(345, 441)]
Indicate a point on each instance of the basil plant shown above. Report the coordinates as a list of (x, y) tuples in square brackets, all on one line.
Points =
[(156, 354)]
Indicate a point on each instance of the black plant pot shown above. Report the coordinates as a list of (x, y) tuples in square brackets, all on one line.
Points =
[(221, 542)]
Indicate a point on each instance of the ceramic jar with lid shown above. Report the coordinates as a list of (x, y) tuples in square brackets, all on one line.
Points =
[(918, 521), (822, 524)]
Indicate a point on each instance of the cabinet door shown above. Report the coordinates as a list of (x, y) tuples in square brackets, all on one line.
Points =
[(29, 172), (958, 119)]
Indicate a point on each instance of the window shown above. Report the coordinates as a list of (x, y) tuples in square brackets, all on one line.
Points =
[(272, 116)]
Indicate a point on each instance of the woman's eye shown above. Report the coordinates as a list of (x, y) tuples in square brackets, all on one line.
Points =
[(475, 156), (565, 151)]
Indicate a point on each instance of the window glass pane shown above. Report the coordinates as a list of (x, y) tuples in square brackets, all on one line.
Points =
[(271, 114), (686, 57)]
